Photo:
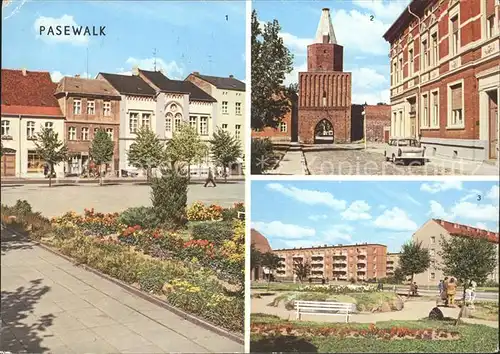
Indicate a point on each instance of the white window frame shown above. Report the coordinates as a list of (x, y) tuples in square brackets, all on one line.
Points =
[(455, 12), (146, 120), (424, 55), (237, 108), (224, 107), (283, 127), (91, 107), (49, 125), (193, 122), (425, 121), (401, 65), (30, 130), (432, 125), (411, 60), (5, 127), (169, 118), (491, 32), (85, 132), (177, 121), (109, 131), (106, 108), (77, 106), (449, 110), (133, 122), (224, 126), (203, 125), (434, 50), (237, 131), (72, 133)]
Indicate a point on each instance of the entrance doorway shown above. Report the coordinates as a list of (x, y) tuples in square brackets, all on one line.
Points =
[(323, 132), (8, 165), (493, 123)]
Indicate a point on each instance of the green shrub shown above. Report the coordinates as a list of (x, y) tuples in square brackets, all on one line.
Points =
[(214, 231), (261, 156), (22, 207), (490, 284), (229, 214), (143, 216), (169, 197)]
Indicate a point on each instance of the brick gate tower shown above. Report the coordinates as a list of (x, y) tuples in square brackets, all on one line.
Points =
[(324, 90)]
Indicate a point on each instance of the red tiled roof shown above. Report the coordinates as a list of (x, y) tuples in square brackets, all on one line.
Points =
[(30, 94), (259, 241), (379, 112), (465, 230)]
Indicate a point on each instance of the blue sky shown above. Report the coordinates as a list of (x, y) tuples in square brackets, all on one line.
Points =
[(188, 36), (304, 214), (365, 51)]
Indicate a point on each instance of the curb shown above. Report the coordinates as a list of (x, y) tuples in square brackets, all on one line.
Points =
[(188, 317)]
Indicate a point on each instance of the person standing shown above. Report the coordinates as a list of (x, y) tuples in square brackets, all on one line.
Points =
[(444, 295), (451, 290), (210, 178), (441, 288)]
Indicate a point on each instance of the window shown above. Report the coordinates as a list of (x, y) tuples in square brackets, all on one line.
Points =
[(168, 122), (401, 128), (95, 131), (91, 107), (435, 109), (85, 133), (238, 108), (177, 121), (433, 276), (49, 125), (35, 162), (490, 26), (454, 37), (432, 252), (146, 120), (410, 67), (193, 122), (30, 130), (109, 131), (400, 69), (203, 125), (283, 127), (425, 111), (237, 131), (394, 73), (425, 58), (71, 133), (133, 122), (433, 240), (456, 118), (77, 106), (224, 126), (435, 55), (5, 128), (224, 107), (106, 107)]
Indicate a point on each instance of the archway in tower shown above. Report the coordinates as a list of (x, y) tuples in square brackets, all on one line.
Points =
[(323, 132)]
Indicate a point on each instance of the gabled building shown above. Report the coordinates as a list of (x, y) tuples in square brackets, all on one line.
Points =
[(445, 77), (28, 104), (431, 233), (88, 105)]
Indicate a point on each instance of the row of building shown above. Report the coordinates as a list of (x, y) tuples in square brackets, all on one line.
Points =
[(369, 261), (77, 107), (445, 84)]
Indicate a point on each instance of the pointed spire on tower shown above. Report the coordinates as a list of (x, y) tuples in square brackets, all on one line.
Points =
[(325, 33)]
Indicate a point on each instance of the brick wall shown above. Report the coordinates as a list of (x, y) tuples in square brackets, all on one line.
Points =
[(339, 117), (276, 133), (325, 57)]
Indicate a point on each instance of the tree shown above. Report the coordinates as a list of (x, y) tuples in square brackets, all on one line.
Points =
[(169, 199), (467, 258), (186, 147), (270, 261), (262, 156), (101, 151), (147, 152), (301, 269), (271, 62), (225, 149), (255, 257), (50, 149), (398, 276), (414, 259)]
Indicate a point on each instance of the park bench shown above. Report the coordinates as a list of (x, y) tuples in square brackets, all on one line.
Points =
[(324, 308)]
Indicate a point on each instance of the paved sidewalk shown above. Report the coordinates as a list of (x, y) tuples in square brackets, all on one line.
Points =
[(292, 164), (50, 305)]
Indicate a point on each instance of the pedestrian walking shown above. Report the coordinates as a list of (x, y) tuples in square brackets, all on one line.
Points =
[(444, 294), (210, 178), (441, 288), (451, 290)]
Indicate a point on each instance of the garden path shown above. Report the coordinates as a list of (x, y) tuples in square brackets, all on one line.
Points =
[(51, 305), (412, 311)]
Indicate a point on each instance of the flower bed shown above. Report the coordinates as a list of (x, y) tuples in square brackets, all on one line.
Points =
[(393, 333), (200, 212), (339, 289)]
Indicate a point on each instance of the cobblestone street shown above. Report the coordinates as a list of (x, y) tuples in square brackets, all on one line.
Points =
[(359, 162)]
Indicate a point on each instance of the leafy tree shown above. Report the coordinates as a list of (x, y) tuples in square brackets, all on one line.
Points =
[(225, 149), (414, 259), (51, 150), (467, 258), (255, 257), (398, 276), (262, 155), (147, 152), (270, 261), (169, 199), (101, 151), (301, 269), (186, 147), (271, 62)]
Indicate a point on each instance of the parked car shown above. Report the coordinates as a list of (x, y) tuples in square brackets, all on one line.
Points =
[(404, 150), (129, 173)]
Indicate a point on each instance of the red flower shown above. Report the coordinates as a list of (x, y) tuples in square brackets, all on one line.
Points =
[(137, 227)]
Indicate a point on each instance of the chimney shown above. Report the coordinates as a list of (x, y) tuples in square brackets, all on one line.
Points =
[(77, 76), (24, 71), (231, 76), (196, 73), (135, 70)]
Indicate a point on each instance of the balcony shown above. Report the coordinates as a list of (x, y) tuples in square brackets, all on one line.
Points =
[(317, 261)]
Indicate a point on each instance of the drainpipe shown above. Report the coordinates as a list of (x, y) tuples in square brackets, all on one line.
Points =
[(19, 147), (419, 78)]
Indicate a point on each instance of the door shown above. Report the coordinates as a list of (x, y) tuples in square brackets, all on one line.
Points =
[(493, 119), (413, 130), (8, 166), (386, 136)]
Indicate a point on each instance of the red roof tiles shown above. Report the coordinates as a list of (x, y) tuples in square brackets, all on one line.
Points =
[(465, 230), (29, 93)]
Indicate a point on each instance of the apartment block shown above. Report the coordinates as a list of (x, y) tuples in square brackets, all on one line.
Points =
[(341, 262), (392, 263), (445, 77)]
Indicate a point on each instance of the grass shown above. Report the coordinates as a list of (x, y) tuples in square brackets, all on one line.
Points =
[(485, 310), (473, 339)]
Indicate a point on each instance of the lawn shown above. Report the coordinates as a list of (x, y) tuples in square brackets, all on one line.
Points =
[(316, 337)]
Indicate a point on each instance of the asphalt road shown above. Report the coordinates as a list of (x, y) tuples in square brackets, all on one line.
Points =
[(485, 296)]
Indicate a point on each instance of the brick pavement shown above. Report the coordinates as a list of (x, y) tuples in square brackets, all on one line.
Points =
[(50, 305)]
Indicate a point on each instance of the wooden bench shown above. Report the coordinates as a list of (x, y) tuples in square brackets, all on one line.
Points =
[(324, 308)]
